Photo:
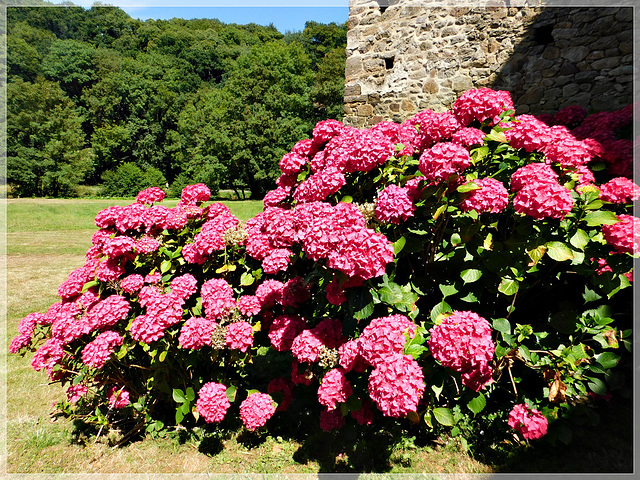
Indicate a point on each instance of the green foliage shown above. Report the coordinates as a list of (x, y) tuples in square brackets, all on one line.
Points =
[(134, 85), (128, 179), (72, 64), (46, 154)]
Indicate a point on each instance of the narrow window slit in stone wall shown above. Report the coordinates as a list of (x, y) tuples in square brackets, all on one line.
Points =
[(543, 35), (388, 63)]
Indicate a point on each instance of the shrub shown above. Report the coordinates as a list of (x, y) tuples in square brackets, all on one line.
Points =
[(128, 179), (422, 271)]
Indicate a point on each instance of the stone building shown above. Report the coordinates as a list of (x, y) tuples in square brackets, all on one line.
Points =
[(404, 57)]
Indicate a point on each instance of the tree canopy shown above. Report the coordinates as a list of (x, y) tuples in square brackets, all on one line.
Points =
[(192, 101)]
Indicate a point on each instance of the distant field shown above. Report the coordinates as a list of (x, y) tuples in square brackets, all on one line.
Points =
[(39, 214)]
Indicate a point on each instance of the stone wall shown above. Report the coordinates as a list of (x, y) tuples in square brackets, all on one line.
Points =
[(403, 58)]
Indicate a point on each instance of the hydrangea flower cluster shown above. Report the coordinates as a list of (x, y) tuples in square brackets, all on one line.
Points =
[(462, 342), (624, 236), (527, 421), (98, 351), (334, 389), (256, 409), (444, 160), (491, 196), (396, 385), (212, 403), (394, 204)]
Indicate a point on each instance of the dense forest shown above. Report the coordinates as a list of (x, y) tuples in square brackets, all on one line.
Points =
[(95, 97)]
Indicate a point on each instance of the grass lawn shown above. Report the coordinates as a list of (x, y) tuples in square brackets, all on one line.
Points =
[(47, 239)]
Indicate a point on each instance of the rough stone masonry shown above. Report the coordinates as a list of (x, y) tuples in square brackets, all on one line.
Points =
[(404, 57)]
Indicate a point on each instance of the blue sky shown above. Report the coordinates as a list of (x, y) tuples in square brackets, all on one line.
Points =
[(286, 15)]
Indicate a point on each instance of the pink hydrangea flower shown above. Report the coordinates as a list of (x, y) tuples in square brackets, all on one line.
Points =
[(212, 403), (364, 254), (118, 397), (492, 196), (176, 219), (278, 260), (68, 325), (364, 416), (249, 305), (565, 149), (146, 245), (543, 200), (256, 409), (276, 197), (184, 286), (619, 190), (282, 387), (292, 162), (331, 420), (528, 132), (101, 236), (153, 278), (129, 218), (532, 173), (96, 353), (132, 283), (320, 185), (325, 130), (269, 293), (76, 392), (468, 137), (481, 104), (463, 343), (433, 128), (191, 254), (394, 204), (110, 270), (396, 385), (527, 421), (194, 194), (107, 218), (350, 356), (76, 280), (196, 333), (283, 330), (240, 336), (48, 355), (217, 297), (108, 311), (385, 336), (334, 388), (154, 219), (150, 195), (624, 235), (443, 160), (307, 347), (570, 116)]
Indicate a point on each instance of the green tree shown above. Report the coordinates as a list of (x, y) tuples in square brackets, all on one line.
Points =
[(72, 64), (328, 91), (319, 39), (26, 48), (128, 179), (46, 153), (262, 110)]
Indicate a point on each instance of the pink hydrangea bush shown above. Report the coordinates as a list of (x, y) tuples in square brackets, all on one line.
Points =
[(405, 272)]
